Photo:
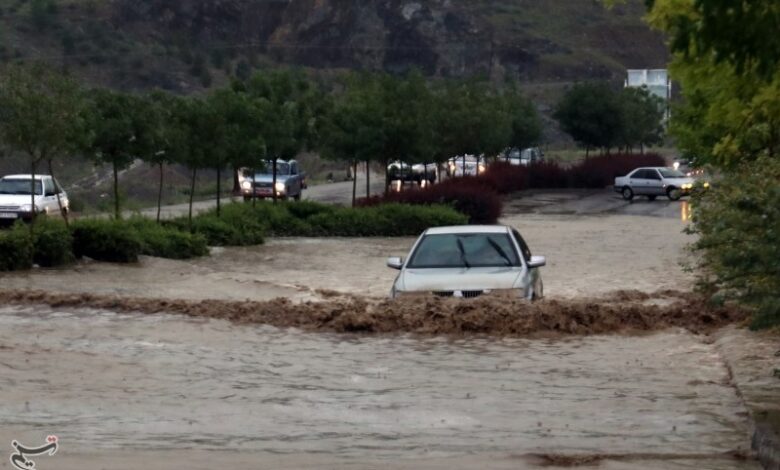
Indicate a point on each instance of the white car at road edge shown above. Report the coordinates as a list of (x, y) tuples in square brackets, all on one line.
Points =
[(653, 182), (16, 201)]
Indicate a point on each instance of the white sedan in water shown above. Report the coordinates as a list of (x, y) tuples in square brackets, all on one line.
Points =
[(469, 261)]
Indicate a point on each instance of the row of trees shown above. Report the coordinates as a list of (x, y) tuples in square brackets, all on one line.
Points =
[(272, 115), (597, 116)]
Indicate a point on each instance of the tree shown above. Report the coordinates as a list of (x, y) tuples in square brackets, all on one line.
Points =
[(591, 114), (121, 133), (243, 117), (290, 102), (641, 118), (352, 129), (525, 122), (166, 137), (470, 118), (41, 114)]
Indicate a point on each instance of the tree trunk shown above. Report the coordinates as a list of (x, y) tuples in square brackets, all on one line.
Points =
[(236, 185), (219, 190), (254, 191), (117, 215), (192, 194), (159, 194), (32, 195), (587, 151), (368, 178), (273, 184), (354, 183), (63, 212)]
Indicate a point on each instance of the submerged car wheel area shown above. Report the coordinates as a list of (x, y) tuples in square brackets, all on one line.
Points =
[(467, 262)]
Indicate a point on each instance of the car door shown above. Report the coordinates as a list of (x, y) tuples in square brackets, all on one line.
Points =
[(638, 182), (295, 185), (655, 184), (49, 196)]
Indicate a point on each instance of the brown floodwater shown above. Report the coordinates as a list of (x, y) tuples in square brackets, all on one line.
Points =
[(114, 382)]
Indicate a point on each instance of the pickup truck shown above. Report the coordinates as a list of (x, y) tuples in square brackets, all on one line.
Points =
[(16, 201), (290, 181)]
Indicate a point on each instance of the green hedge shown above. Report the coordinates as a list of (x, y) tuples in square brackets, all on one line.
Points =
[(320, 220), (53, 243), (16, 249), (168, 242), (106, 240)]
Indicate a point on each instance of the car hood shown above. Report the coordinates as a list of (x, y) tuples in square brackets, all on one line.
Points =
[(270, 178), (679, 181), (15, 199), (450, 279)]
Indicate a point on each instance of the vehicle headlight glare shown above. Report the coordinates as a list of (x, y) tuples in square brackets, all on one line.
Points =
[(280, 187), (25, 208), (246, 185)]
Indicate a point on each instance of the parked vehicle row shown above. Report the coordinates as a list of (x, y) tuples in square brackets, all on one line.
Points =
[(412, 173), (16, 201)]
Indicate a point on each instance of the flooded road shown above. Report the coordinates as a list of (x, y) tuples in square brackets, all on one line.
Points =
[(147, 386)]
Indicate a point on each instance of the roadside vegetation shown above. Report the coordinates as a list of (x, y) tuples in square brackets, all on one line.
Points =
[(239, 224), (726, 57)]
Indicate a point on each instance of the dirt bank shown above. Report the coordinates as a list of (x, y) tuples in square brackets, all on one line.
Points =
[(622, 311)]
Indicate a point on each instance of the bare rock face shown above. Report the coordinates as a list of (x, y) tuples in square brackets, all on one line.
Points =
[(439, 37)]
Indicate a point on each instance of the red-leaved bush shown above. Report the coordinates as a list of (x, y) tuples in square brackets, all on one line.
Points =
[(469, 196), (599, 172)]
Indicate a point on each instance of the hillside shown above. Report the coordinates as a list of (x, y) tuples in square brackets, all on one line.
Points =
[(185, 45)]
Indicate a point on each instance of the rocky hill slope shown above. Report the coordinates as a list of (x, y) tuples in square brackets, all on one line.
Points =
[(186, 45)]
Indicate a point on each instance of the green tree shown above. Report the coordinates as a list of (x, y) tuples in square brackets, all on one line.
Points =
[(121, 133), (641, 118), (166, 137), (352, 128), (290, 102), (591, 114), (41, 114), (470, 118), (525, 121), (726, 55)]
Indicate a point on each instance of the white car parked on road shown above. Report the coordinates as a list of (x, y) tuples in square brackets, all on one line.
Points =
[(653, 182), (16, 201), (469, 261)]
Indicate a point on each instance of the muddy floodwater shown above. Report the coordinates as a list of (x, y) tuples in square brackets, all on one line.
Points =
[(147, 388)]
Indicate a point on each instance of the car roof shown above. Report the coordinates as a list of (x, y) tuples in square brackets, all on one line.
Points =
[(25, 177), (467, 229)]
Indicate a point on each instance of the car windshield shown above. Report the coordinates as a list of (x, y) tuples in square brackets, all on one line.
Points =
[(669, 173), (466, 250), (282, 168), (19, 186)]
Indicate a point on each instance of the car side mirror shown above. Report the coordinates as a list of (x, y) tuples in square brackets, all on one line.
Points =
[(395, 262), (537, 262), (50, 193)]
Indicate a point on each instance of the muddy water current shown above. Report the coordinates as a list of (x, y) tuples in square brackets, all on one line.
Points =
[(160, 382)]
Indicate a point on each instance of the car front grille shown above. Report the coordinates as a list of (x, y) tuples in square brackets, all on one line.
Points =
[(466, 294), (263, 185), (9, 208)]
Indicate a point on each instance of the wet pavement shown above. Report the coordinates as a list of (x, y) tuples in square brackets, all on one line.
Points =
[(106, 382)]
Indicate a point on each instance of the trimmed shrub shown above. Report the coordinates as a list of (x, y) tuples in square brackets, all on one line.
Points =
[(168, 242), (16, 249), (53, 243), (215, 231), (470, 196), (106, 240)]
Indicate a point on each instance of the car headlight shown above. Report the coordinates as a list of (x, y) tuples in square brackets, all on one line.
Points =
[(246, 185), (280, 187), (25, 208), (706, 185), (687, 186)]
